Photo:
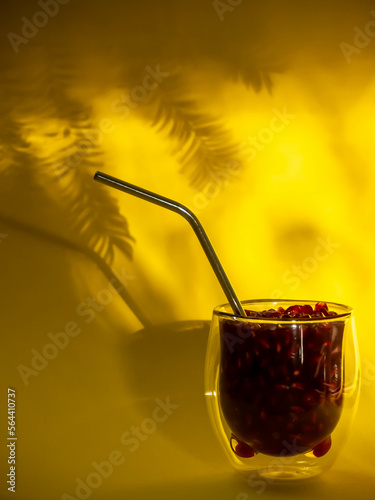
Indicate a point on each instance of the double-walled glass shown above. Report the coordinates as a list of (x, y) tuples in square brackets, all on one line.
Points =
[(282, 392)]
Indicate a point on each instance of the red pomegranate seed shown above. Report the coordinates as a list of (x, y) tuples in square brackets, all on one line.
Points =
[(241, 449), (298, 385), (281, 386), (317, 314), (292, 310), (297, 409), (322, 448), (252, 314), (264, 343), (307, 309), (321, 305)]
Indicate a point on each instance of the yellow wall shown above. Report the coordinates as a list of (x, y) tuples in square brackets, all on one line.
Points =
[(295, 220)]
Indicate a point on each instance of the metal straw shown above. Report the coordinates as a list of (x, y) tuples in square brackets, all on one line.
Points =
[(192, 220)]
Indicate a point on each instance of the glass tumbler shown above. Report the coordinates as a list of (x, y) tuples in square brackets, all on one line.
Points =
[(282, 391)]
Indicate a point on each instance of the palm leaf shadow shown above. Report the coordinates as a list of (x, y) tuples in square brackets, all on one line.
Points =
[(202, 144), (32, 166), (92, 213), (46, 131)]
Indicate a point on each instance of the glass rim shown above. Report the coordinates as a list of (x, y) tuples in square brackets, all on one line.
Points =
[(348, 311)]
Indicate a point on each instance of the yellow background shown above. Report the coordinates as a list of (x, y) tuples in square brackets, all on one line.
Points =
[(310, 181)]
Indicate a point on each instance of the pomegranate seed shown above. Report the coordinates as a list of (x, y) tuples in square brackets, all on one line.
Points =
[(298, 409), (252, 314), (298, 385), (307, 309), (292, 310), (271, 313), (281, 386), (241, 449), (321, 305), (264, 342), (317, 314), (322, 448)]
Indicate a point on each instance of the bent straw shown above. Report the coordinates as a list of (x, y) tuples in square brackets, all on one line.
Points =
[(192, 220)]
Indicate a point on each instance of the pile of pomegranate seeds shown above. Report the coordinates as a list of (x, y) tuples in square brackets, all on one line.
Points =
[(281, 383), (304, 312)]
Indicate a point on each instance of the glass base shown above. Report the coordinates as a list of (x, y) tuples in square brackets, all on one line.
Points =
[(289, 474)]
